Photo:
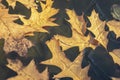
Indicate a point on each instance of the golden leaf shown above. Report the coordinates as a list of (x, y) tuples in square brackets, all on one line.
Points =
[(77, 39), (77, 22), (69, 69), (43, 19), (14, 33), (9, 28), (114, 26), (98, 28), (27, 3), (29, 72)]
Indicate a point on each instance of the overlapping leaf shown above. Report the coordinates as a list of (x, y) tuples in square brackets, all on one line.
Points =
[(14, 36), (69, 69), (27, 3), (27, 73), (43, 19), (78, 38), (98, 28), (12, 32)]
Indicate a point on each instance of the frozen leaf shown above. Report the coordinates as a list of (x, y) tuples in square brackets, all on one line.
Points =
[(29, 72), (69, 69)]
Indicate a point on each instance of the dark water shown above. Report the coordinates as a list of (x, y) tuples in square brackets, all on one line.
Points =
[(102, 6)]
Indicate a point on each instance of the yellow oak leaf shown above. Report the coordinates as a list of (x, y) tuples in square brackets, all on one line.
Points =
[(14, 33), (78, 27), (116, 55), (69, 69), (39, 20), (98, 28), (48, 4), (27, 3), (77, 39), (95, 20), (77, 22), (29, 72), (114, 26), (9, 28)]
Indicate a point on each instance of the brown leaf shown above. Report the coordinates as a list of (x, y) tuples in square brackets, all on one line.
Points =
[(20, 46)]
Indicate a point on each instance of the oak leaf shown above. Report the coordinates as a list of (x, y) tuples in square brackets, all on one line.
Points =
[(114, 26), (13, 32), (29, 72), (69, 69), (78, 27), (77, 22), (98, 28), (9, 28), (77, 39), (39, 20), (27, 3)]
